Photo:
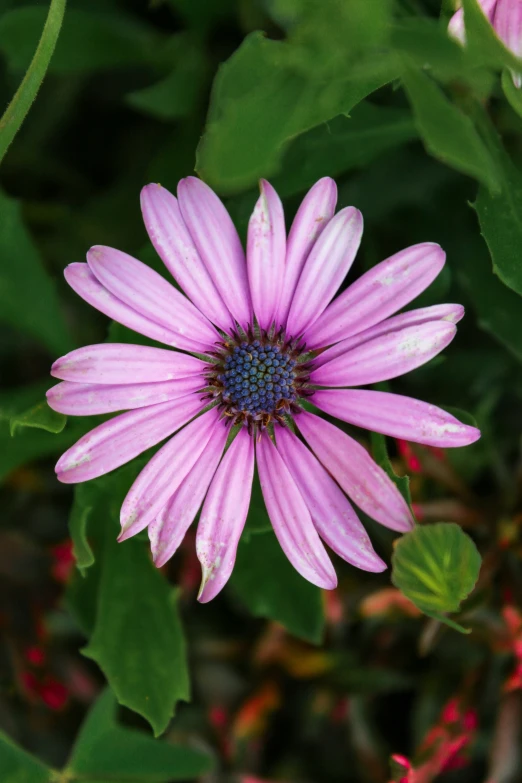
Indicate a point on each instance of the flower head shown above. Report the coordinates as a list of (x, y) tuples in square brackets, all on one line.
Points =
[(253, 339)]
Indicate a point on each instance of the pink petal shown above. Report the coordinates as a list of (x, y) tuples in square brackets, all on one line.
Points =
[(325, 269), (113, 363), (456, 27), (143, 289), (508, 25), (266, 250), (86, 285), (445, 312), (397, 416), (218, 245), (174, 245), (333, 516), (314, 214), (184, 504), (388, 356), (377, 294), (163, 474), (224, 515), (119, 440), (291, 519), (356, 472), (90, 399)]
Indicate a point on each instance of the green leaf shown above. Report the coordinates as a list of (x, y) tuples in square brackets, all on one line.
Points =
[(28, 300), (203, 15), (257, 520), (15, 400), (81, 596), (78, 523), (327, 30), (512, 93), (270, 587), (449, 134), (499, 309), (17, 766), (264, 95), (31, 444), (41, 417), (436, 567), (500, 217), (105, 750), (177, 94), (380, 455), (21, 103), (343, 144), (89, 40), (136, 613), (428, 45), (94, 516)]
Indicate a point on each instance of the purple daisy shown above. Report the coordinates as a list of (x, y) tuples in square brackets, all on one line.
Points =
[(254, 337)]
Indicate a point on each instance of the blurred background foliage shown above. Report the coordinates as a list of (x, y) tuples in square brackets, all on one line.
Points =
[(282, 682)]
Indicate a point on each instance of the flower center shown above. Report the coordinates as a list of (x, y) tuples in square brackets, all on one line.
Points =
[(259, 379)]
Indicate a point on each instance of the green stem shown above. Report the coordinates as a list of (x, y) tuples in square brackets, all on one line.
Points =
[(15, 113)]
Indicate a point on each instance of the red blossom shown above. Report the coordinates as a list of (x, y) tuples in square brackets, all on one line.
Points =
[(63, 561), (49, 690), (35, 655), (442, 748), (413, 463), (386, 602), (513, 643), (54, 693), (334, 609)]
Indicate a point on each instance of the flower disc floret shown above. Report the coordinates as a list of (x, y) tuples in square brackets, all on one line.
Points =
[(257, 380)]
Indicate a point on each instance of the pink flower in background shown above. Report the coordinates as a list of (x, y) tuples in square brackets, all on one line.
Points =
[(456, 26), (506, 18), (253, 338)]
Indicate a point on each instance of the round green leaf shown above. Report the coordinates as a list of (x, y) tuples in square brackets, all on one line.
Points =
[(436, 567)]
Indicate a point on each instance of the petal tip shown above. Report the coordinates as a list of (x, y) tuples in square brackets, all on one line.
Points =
[(456, 315), (327, 581), (206, 593), (95, 254), (192, 183), (75, 269), (264, 184), (64, 477), (438, 252), (149, 190), (471, 435), (160, 557), (55, 369), (53, 400), (327, 181), (126, 531), (405, 525)]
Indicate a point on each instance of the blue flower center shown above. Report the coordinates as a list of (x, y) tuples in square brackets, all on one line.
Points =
[(258, 378)]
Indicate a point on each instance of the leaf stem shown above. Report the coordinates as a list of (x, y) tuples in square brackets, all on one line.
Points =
[(15, 113)]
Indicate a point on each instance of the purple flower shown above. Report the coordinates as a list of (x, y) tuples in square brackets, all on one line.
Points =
[(254, 338), (506, 18)]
